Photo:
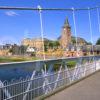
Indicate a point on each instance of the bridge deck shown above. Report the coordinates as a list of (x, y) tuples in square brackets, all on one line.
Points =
[(87, 89)]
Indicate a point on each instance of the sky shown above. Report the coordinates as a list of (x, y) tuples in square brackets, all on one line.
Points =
[(16, 25)]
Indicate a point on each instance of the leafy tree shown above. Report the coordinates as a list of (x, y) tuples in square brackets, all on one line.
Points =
[(10, 50), (73, 41), (89, 43), (56, 44), (98, 42), (22, 49), (51, 44), (46, 45)]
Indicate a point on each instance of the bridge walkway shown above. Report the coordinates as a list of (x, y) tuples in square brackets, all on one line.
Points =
[(87, 89)]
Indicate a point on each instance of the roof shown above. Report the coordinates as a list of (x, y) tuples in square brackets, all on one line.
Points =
[(79, 39), (66, 23)]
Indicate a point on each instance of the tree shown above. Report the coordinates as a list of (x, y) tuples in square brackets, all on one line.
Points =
[(56, 44), (89, 43), (51, 45), (98, 42), (46, 45)]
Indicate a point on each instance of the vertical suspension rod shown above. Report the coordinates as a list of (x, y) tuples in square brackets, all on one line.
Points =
[(98, 15), (42, 31), (90, 26), (73, 11)]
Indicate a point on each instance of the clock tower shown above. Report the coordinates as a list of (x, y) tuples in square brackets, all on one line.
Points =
[(65, 39)]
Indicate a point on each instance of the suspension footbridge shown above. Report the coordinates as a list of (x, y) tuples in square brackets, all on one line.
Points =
[(48, 75)]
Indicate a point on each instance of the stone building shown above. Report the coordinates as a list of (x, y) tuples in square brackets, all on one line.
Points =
[(35, 43), (4, 49), (4, 52), (80, 41), (65, 38)]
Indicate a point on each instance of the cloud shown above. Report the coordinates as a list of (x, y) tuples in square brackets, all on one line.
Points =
[(11, 13), (8, 39)]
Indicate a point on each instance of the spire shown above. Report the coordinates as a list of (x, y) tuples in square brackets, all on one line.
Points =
[(66, 23)]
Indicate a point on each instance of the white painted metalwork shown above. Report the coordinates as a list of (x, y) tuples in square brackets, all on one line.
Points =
[(46, 86), (68, 74), (5, 91), (58, 76), (32, 87), (42, 31), (75, 30), (29, 84), (98, 15), (90, 26), (75, 72)]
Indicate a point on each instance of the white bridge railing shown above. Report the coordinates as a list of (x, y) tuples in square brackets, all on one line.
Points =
[(58, 73)]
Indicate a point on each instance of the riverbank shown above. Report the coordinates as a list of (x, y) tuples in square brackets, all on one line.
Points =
[(16, 59)]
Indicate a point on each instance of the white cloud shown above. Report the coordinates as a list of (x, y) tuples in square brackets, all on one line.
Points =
[(11, 13), (8, 39)]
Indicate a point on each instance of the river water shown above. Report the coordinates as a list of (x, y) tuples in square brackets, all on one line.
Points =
[(17, 70)]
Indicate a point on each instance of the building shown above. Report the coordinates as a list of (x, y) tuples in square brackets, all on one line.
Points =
[(4, 52), (65, 38), (80, 41), (36, 43), (18, 49), (4, 49), (7, 46), (91, 50)]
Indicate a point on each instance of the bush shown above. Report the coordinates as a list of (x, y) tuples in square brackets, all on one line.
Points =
[(71, 64), (57, 66)]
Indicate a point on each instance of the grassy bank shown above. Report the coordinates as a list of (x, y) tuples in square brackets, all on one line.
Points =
[(15, 59)]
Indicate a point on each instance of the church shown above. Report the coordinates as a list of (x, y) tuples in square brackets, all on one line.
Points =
[(65, 39)]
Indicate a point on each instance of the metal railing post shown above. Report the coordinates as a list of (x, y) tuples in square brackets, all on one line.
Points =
[(29, 84), (68, 73), (58, 76), (95, 64), (4, 91), (46, 82), (0, 91)]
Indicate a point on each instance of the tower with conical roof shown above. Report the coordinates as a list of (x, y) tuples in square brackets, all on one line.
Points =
[(65, 39)]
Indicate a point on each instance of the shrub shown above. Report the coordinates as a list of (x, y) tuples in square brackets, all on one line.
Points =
[(56, 66), (71, 64)]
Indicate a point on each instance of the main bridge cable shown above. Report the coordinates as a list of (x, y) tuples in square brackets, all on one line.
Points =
[(45, 9)]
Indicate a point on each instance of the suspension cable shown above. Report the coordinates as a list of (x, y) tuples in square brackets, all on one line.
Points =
[(90, 26), (47, 9), (42, 35), (75, 29), (42, 31), (98, 15)]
